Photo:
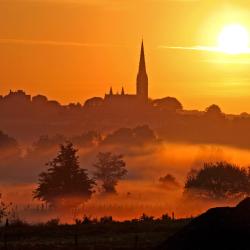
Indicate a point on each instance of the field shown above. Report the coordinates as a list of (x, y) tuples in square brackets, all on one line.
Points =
[(140, 235)]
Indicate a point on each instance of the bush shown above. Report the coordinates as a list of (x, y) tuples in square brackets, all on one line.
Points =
[(53, 222), (166, 218), (106, 219), (220, 180), (146, 218)]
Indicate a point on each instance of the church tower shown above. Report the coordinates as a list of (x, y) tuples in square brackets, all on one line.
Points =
[(142, 78)]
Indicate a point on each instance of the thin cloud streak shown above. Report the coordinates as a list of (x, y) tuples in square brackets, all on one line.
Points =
[(196, 48), (55, 43), (200, 48)]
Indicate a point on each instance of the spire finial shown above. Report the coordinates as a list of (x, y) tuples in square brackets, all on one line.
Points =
[(142, 65)]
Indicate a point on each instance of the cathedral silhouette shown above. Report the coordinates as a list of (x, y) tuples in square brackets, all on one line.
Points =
[(141, 95)]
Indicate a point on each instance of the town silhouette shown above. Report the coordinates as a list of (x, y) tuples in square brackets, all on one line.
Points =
[(27, 117)]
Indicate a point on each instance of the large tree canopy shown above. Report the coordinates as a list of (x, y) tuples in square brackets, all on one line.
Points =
[(220, 180), (64, 180)]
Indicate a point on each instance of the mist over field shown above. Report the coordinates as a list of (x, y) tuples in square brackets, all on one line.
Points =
[(139, 192)]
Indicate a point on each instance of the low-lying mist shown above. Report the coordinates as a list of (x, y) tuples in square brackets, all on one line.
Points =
[(140, 192)]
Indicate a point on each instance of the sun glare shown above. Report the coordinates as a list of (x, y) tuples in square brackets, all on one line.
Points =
[(234, 39)]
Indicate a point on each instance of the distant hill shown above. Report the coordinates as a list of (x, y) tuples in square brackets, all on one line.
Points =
[(225, 228)]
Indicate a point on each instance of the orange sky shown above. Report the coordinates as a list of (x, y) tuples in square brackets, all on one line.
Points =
[(70, 50)]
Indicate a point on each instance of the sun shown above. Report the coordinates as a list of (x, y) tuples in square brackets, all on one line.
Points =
[(234, 39)]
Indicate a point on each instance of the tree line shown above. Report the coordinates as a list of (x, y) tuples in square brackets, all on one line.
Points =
[(64, 179)]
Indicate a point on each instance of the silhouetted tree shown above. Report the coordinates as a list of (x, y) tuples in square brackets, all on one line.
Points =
[(64, 179), (220, 180), (39, 100), (169, 181), (9, 147), (214, 111), (144, 134), (166, 218), (7, 141), (4, 208), (87, 139), (74, 106), (106, 219), (45, 142), (93, 102), (109, 169), (137, 136), (120, 136), (168, 104), (146, 218), (53, 222)]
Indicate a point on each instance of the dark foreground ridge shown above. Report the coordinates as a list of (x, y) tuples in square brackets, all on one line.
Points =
[(225, 228)]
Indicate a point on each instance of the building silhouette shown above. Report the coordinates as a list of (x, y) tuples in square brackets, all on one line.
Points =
[(141, 95)]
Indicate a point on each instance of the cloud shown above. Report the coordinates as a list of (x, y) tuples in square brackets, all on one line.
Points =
[(55, 43), (201, 48), (196, 48)]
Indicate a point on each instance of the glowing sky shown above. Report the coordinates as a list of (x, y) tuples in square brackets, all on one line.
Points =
[(70, 50)]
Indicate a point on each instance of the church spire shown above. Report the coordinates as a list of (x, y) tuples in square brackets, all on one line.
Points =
[(142, 78), (142, 64)]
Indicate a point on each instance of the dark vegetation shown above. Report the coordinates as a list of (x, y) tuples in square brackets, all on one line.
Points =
[(7, 141), (66, 184), (109, 169), (139, 135), (217, 229), (217, 181), (170, 104), (103, 234), (9, 147), (64, 179), (169, 181), (27, 117)]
